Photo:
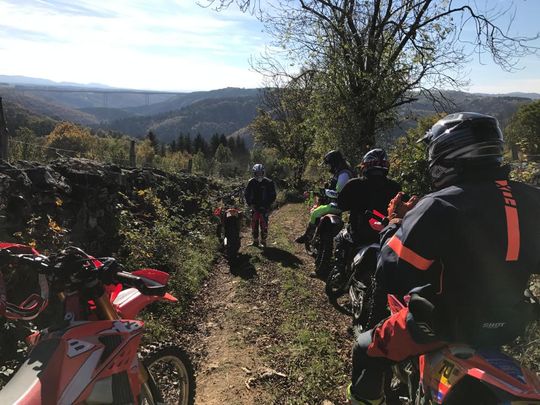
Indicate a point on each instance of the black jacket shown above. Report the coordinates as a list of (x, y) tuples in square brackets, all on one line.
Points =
[(476, 243), (261, 194), (361, 194)]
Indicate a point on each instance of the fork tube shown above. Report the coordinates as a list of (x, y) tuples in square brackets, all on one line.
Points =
[(105, 308), (107, 311)]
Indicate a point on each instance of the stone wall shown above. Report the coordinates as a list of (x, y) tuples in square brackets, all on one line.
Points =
[(77, 201)]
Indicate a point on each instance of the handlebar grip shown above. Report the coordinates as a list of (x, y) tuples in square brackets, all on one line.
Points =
[(372, 215), (143, 284)]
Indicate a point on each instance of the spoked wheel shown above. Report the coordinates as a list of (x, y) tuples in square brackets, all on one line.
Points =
[(324, 257), (171, 379), (336, 290), (357, 295), (312, 246), (232, 248), (362, 300)]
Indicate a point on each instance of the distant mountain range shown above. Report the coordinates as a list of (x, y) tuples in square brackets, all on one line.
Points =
[(24, 80), (228, 111)]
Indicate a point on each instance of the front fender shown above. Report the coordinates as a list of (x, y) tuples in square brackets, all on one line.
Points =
[(331, 224), (131, 301)]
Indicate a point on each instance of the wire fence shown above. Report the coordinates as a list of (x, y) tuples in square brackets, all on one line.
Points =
[(27, 150)]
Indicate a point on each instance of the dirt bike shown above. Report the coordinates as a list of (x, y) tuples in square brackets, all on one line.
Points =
[(459, 374), (93, 354), (230, 224), (347, 288), (321, 245)]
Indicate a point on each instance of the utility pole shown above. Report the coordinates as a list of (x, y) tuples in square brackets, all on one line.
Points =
[(4, 136)]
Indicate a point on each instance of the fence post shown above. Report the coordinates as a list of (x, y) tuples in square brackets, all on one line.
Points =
[(4, 135), (515, 152), (190, 165), (132, 154)]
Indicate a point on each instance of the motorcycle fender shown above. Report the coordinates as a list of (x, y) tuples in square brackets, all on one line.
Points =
[(130, 302), (366, 253), (445, 368), (331, 224)]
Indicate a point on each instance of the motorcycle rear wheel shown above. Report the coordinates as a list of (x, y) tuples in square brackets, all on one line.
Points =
[(171, 377), (324, 257)]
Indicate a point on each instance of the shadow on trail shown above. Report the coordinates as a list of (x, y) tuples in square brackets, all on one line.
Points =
[(283, 257), (242, 267)]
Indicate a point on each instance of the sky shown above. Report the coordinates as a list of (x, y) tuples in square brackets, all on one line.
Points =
[(176, 45)]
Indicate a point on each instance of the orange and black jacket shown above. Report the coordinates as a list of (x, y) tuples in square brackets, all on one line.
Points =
[(476, 243)]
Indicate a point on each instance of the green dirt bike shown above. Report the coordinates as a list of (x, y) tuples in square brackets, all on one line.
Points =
[(321, 245)]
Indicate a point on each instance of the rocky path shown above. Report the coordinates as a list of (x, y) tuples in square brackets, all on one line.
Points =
[(262, 331)]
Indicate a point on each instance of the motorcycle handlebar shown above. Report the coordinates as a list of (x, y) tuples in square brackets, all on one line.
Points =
[(82, 270)]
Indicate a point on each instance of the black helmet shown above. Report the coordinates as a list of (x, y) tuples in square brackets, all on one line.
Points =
[(335, 160), (375, 162), (460, 142)]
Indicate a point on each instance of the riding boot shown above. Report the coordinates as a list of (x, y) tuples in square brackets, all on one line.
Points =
[(308, 234), (355, 401)]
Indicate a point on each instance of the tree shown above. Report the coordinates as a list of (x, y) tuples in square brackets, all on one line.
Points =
[(69, 139), (200, 145), (408, 159), (369, 58), (524, 129), (224, 162), (214, 143), (153, 140), (286, 125), (146, 153)]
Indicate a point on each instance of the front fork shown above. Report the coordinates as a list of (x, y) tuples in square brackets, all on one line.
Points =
[(106, 311)]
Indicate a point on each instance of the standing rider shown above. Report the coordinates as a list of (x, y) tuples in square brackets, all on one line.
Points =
[(372, 191), (260, 193), (338, 166), (467, 250)]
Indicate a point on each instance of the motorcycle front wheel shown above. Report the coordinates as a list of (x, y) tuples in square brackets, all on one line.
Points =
[(171, 379)]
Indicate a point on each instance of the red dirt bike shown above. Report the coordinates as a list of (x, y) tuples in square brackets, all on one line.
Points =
[(93, 355), (460, 374), (321, 246), (230, 224)]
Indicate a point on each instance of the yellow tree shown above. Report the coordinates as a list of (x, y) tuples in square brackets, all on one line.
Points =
[(68, 139)]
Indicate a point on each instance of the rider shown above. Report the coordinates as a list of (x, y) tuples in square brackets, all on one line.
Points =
[(372, 191), (341, 173), (260, 193), (470, 246)]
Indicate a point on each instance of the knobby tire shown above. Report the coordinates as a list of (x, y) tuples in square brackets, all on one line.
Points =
[(171, 376)]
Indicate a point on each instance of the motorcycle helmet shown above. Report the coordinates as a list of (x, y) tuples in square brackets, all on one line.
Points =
[(462, 142), (375, 162), (335, 160), (258, 171)]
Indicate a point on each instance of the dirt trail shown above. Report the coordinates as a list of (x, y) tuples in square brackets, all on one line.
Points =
[(263, 332)]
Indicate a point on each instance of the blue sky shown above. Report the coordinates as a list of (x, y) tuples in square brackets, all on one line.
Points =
[(176, 45)]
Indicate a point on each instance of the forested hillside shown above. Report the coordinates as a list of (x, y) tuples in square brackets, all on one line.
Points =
[(223, 111)]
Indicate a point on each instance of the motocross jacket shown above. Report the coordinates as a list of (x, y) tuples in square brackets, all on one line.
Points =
[(362, 194), (260, 193), (334, 186), (476, 243)]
